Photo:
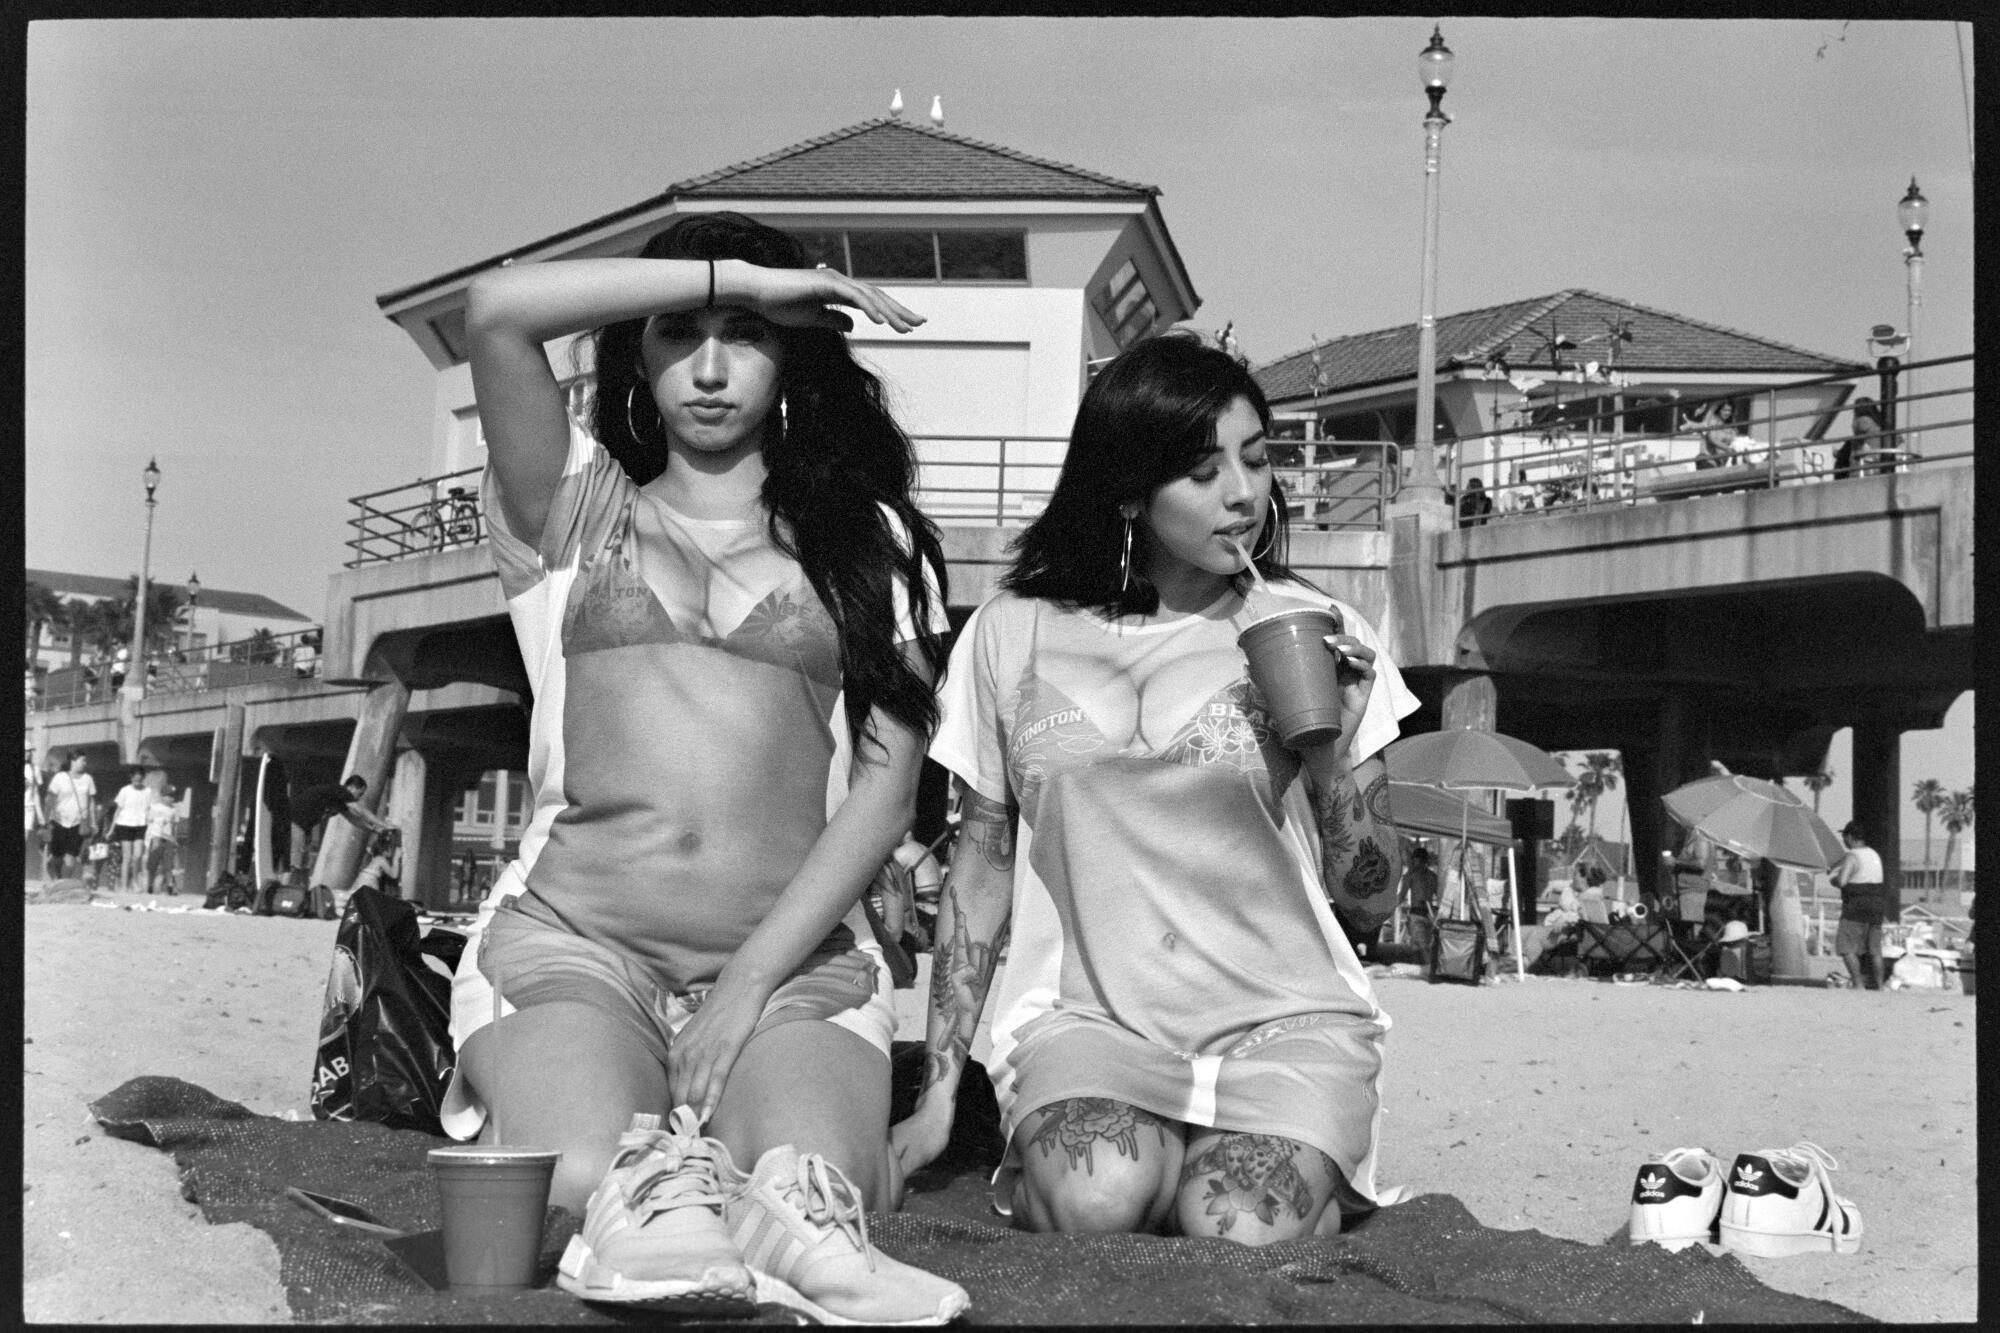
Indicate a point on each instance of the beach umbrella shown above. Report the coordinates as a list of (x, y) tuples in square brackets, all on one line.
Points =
[(1462, 759), (1420, 809), (1755, 818)]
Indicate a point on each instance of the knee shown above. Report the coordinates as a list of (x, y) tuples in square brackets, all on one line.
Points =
[(1078, 1203)]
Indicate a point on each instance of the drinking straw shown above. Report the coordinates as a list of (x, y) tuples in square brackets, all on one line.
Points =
[(497, 1140), (1250, 565)]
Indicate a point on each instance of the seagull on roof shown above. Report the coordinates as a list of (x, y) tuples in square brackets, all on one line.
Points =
[(896, 103), (937, 110)]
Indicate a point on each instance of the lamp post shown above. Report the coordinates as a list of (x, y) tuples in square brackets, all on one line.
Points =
[(1911, 212), (194, 600), (135, 674), (1434, 66)]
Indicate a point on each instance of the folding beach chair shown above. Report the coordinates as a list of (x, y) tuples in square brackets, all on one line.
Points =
[(1625, 945)]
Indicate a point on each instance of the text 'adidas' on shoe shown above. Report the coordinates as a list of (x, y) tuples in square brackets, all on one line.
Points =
[(1677, 1199), (798, 1223), (1780, 1201), (654, 1233)]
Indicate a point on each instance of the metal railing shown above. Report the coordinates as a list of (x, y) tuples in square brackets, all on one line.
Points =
[(427, 515), (1533, 472), (293, 655)]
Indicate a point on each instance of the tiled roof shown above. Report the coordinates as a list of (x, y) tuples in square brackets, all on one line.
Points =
[(1519, 332), (885, 158), (891, 158), (214, 599)]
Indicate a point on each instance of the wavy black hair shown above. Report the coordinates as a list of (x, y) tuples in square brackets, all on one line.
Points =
[(1146, 420), (834, 464)]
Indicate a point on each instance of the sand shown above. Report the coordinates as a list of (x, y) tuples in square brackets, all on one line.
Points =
[(1533, 1102)]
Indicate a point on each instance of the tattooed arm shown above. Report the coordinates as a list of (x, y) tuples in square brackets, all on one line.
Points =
[(972, 924), (1361, 856)]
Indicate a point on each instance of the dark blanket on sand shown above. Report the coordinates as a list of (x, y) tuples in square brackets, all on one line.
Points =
[(1425, 1261)]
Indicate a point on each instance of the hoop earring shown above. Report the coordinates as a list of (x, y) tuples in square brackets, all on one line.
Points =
[(631, 396), (1270, 535), (784, 420), (1125, 561)]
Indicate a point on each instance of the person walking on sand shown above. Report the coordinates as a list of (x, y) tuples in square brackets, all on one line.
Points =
[(72, 814), (732, 614), (128, 827), (162, 842), (1863, 907), (1184, 1037)]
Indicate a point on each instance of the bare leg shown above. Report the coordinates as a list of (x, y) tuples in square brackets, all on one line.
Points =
[(570, 1079), (821, 1089), (1255, 1188), (1091, 1164)]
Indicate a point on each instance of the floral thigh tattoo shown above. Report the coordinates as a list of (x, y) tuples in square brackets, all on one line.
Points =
[(1080, 1123), (1256, 1174)]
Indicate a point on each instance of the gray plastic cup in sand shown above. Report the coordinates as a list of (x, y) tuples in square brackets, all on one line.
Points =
[(494, 1200), (1296, 672)]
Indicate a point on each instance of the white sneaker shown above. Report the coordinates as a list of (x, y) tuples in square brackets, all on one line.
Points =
[(1780, 1201), (653, 1232), (798, 1223), (1677, 1199)]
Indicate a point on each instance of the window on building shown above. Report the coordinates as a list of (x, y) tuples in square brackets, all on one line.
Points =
[(1126, 306), (912, 255)]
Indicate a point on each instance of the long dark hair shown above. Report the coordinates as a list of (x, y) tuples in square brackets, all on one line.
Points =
[(832, 466), (1147, 419)]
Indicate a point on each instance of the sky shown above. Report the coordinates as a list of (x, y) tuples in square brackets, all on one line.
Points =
[(212, 207)]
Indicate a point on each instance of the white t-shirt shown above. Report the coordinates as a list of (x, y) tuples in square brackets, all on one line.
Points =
[(1154, 800), (129, 806), (71, 794), (689, 739), (1863, 866)]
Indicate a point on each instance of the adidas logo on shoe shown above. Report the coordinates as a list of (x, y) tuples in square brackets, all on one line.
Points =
[(653, 1232), (1677, 1199), (799, 1224), (1780, 1201)]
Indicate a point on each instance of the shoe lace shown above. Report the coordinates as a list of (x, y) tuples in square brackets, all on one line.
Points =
[(1808, 1154), (828, 1198), (684, 1177), (686, 1161)]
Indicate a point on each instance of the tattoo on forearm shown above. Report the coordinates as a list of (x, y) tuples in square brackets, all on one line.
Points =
[(961, 970), (1368, 875), (1378, 804), (1256, 1174), (990, 825), (1078, 1124)]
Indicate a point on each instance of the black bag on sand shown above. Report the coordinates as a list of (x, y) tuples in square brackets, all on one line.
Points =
[(385, 1049), (229, 892), (1458, 951)]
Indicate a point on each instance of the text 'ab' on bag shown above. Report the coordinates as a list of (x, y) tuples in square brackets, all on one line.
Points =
[(385, 1050)]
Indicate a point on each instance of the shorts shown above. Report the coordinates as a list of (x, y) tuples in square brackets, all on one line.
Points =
[(1858, 937), (65, 840), (541, 963), (1311, 1078), (128, 832)]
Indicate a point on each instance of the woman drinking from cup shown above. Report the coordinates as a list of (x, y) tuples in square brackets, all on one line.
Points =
[(1183, 1037), (730, 613)]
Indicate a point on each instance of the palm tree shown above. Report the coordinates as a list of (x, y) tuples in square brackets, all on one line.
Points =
[(1927, 796), (163, 603), (1818, 781), (1955, 812), (1603, 769), (41, 607)]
